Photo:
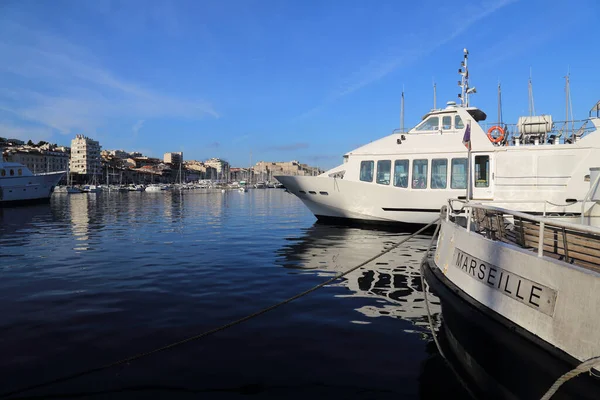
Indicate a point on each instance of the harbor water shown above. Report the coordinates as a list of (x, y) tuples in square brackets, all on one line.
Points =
[(93, 278)]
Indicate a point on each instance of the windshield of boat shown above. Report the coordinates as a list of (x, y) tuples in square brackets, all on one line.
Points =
[(440, 122)]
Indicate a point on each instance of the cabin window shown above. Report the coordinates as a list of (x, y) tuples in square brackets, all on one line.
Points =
[(482, 171), (20, 171), (430, 124), (2, 172), (12, 172), (401, 173), (419, 177), (458, 178), (439, 173), (458, 123), (384, 170), (446, 123), (366, 171)]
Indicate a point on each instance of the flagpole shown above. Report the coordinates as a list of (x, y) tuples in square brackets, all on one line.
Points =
[(469, 180)]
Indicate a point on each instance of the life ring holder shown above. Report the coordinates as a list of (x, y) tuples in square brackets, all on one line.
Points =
[(497, 139)]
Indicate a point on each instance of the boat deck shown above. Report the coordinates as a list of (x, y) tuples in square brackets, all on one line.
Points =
[(577, 244)]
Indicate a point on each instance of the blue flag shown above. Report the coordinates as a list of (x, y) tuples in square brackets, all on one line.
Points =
[(467, 137)]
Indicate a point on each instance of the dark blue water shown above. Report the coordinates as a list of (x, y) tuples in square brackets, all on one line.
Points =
[(92, 278)]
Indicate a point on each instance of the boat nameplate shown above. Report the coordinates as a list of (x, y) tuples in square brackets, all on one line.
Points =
[(528, 292)]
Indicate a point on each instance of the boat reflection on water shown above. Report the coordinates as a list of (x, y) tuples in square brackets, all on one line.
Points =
[(393, 280), (496, 363)]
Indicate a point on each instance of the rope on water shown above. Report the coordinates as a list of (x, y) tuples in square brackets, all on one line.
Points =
[(215, 330), (430, 319), (583, 367)]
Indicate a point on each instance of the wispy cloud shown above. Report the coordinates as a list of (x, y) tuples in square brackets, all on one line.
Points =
[(138, 125), (57, 84), (289, 147), (12, 131), (379, 67)]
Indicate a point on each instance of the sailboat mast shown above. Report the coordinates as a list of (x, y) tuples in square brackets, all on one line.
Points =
[(530, 88), (434, 97), (402, 111), (567, 100)]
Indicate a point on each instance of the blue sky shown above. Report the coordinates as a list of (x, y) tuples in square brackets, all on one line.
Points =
[(304, 79)]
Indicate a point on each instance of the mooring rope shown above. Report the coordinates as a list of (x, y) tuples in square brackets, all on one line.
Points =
[(430, 319), (583, 367), (215, 330)]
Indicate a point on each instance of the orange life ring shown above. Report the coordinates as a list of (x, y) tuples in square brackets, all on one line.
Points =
[(495, 139)]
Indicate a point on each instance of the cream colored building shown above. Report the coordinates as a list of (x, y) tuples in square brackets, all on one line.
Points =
[(85, 156), (221, 167), (38, 160), (266, 169), (173, 158)]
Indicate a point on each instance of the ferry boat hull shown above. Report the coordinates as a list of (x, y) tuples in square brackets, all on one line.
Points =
[(513, 270), (344, 200), (494, 361), (27, 189)]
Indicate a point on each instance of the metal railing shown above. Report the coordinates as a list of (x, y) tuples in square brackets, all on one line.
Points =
[(573, 243)]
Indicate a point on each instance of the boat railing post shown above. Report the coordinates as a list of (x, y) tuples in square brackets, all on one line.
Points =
[(588, 195), (541, 238), (469, 210), (565, 246)]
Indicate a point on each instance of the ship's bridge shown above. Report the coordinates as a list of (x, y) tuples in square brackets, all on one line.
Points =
[(451, 118)]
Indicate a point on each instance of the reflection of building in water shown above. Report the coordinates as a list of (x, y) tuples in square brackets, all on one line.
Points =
[(393, 279), (80, 218)]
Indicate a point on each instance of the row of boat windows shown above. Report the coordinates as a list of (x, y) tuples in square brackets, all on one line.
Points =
[(10, 172), (438, 178)]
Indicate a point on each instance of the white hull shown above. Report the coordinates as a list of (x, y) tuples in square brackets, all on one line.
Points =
[(550, 299), (28, 188), (370, 203)]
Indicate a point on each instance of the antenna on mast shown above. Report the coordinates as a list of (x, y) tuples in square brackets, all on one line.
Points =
[(464, 81), (530, 88), (499, 104)]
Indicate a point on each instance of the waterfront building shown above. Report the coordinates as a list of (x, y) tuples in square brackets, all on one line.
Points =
[(85, 156), (46, 158), (122, 154), (173, 158), (204, 171), (266, 170), (220, 166)]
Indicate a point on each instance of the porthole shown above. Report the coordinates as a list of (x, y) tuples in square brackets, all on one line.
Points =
[(324, 193)]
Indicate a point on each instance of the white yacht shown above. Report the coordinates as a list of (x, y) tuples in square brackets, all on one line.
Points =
[(19, 184), (407, 176)]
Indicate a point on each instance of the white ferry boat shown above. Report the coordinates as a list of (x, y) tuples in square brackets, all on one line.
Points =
[(536, 277), (19, 184), (407, 176)]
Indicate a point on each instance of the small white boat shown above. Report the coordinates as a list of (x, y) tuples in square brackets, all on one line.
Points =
[(19, 184), (242, 189), (155, 188), (91, 189)]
